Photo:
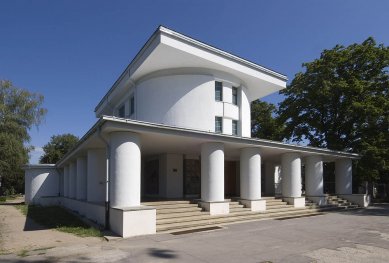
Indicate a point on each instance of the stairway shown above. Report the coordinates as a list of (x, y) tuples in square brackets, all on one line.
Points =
[(175, 216), (333, 203)]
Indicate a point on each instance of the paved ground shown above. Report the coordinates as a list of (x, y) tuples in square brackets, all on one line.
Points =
[(18, 234), (357, 236)]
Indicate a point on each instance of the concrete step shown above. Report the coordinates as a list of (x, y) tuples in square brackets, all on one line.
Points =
[(157, 203), (232, 214), (183, 214), (179, 210), (174, 206), (233, 219)]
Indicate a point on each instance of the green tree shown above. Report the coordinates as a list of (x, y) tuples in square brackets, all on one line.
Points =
[(264, 121), (341, 102), (20, 110), (57, 147)]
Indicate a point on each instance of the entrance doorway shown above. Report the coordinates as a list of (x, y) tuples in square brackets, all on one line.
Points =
[(231, 188), (192, 178)]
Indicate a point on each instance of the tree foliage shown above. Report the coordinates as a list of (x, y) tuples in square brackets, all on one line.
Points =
[(341, 102), (20, 110), (57, 147), (264, 122)]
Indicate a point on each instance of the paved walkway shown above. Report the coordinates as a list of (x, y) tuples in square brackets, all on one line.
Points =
[(356, 236), (18, 234)]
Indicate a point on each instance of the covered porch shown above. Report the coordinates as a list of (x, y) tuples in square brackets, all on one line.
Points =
[(121, 163)]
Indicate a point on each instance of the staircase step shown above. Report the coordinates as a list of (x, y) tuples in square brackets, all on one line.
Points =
[(232, 219)]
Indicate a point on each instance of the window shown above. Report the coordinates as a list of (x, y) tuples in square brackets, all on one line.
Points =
[(121, 111), (132, 105), (218, 124), (234, 127), (234, 96), (218, 91)]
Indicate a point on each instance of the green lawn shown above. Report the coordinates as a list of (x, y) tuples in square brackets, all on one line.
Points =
[(58, 218)]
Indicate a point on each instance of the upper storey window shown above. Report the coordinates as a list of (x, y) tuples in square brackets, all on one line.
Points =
[(234, 95), (122, 111), (132, 105), (218, 124), (218, 91)]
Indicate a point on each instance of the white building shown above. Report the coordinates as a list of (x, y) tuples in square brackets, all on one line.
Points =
[(176, 124)]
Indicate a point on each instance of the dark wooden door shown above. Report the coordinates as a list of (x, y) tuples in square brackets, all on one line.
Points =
[(230, 178)]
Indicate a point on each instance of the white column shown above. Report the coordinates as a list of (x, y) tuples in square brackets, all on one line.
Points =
[(314, 176), (125, 169), (72, 180), (212, 172), (291, 179), (250, 174), (66, 180), (343, 176), (96, 166), (291, 175), (250, 179), (269, 178), (81, 178)]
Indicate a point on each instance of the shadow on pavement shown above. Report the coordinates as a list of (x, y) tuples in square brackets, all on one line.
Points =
[(373, 210), (162, 253)]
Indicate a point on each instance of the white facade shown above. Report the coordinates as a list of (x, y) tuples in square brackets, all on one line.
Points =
[(157, 137)]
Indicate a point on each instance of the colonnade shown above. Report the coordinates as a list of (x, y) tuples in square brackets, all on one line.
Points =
[(84, 177)]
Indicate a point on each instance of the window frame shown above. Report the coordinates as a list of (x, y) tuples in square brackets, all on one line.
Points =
[(122, 109), (217, 119), (220, 97), (235, 96), (132, 104), (236, 130)]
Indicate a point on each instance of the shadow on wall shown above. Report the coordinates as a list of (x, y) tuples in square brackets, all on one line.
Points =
[(162, 253)]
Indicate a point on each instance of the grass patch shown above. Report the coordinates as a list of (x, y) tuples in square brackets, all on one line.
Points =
[(58, 218), (3, 198), (23, 253)]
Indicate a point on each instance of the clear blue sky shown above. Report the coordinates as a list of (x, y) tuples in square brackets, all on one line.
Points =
[(73, 51)]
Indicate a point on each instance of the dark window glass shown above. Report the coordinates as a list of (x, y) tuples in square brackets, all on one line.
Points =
[(121, 112), (132, 105), (218, 91), (234, 96), (218, 124), (235, 127)]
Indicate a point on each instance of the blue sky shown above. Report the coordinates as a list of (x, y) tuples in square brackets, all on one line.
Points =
[(73, 51)]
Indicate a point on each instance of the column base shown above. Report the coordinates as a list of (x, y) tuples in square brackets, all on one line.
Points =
[(297, 202), (254, 205), (363, 200), (320, 199), (133, 221), (216, 208)]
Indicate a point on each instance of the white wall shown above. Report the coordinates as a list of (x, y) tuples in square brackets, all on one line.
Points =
[(171, 175), (96, 163), (189, 101), (178, 100), (245, 113), (40, 182)]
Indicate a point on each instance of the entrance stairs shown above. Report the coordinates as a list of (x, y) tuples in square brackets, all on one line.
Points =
[(182, 215), (333, 203)]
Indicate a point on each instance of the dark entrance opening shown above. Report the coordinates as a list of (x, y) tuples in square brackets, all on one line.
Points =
[(192, 178), (152, 177)]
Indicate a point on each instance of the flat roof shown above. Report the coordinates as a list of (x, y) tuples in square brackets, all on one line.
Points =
[(137, 60)]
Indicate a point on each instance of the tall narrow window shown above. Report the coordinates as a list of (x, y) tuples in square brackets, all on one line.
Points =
[(218, 91), (234, 95), (218, 124), (234, 127), (132, 105), (121, 111)]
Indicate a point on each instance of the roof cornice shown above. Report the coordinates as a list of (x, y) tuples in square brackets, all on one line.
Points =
[(194, 42)]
